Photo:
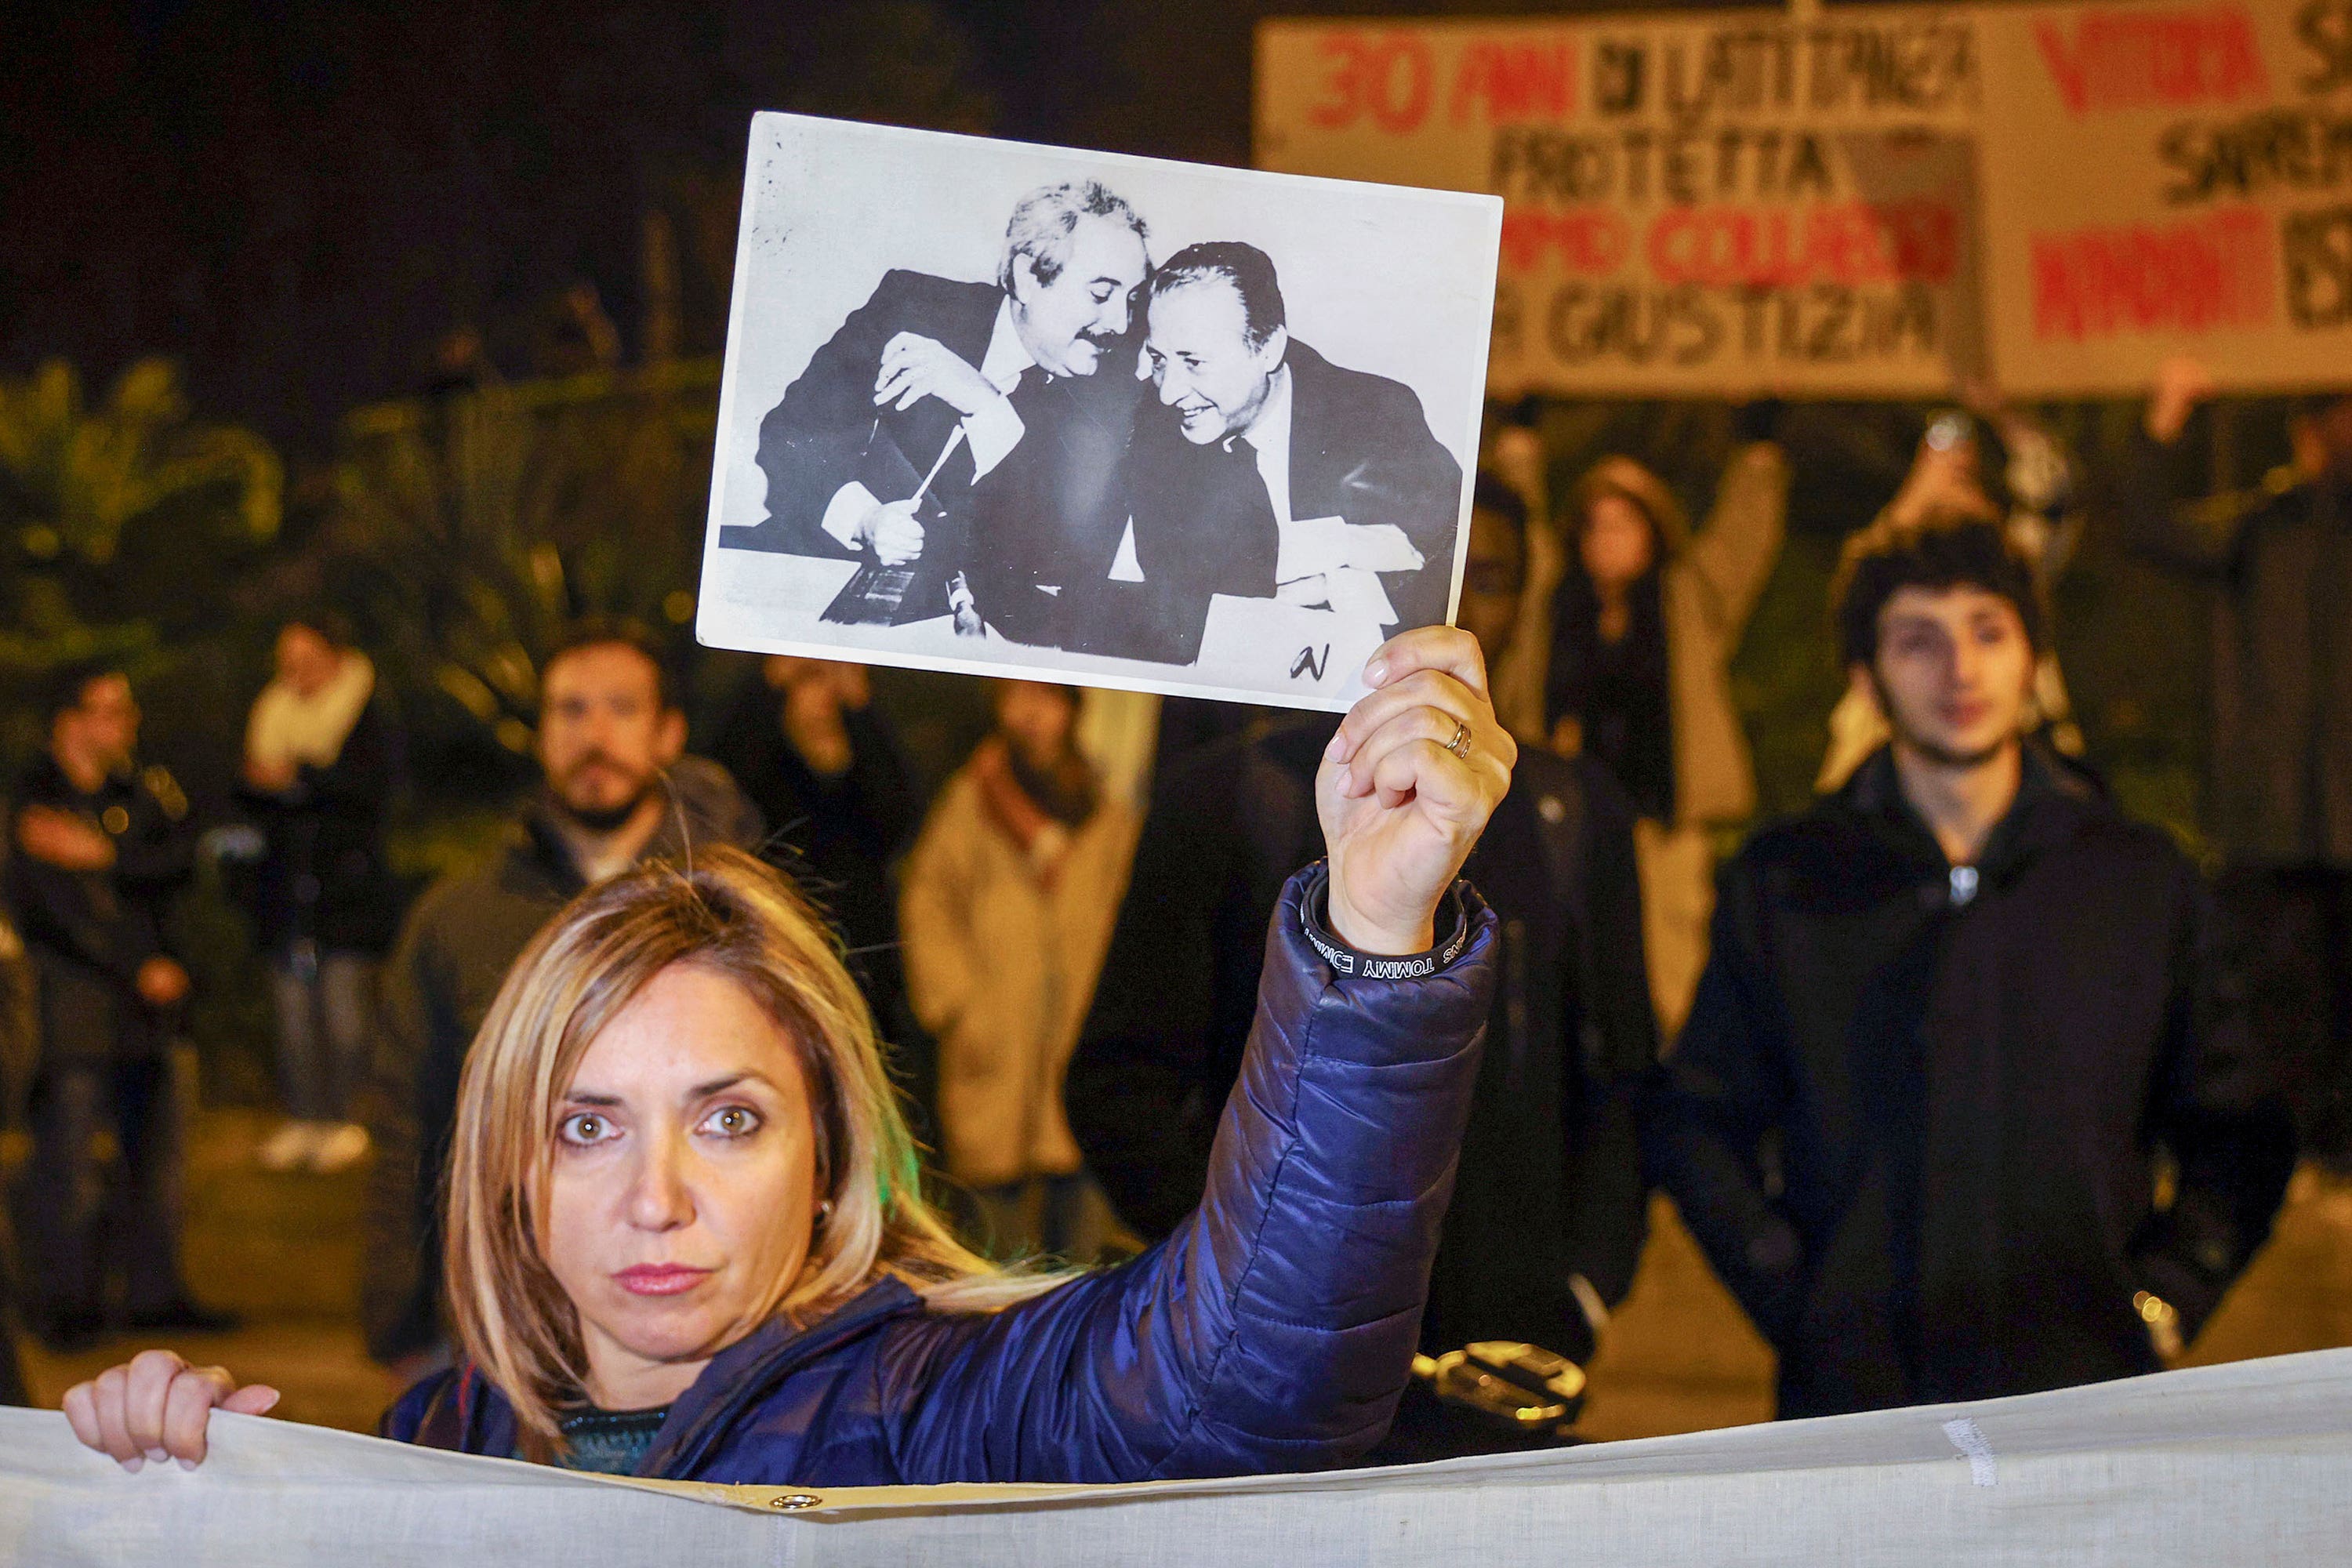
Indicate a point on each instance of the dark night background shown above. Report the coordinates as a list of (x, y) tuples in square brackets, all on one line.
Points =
[(294, 201)]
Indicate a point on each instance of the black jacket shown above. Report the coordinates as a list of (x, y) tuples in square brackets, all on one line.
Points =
[(1359, 448), (2280, 790), (841, 839), (324, 877), (105, 925), (1050, 513), (1536, 1199), (1915, 1129), (1046, 521), (841, 835), (828, 431), (454, 951)]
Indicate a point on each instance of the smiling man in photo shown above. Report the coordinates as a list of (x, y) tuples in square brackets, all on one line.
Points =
[(1262, 470)]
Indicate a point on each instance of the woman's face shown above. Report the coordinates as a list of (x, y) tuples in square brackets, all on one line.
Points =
[(682, 1186), (1616, 543)]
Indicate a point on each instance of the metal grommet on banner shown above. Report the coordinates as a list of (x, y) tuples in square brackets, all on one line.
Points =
[(1459, 745), (793, 1502)]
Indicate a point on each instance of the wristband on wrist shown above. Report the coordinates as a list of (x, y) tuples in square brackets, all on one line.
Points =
[(1314, 908)]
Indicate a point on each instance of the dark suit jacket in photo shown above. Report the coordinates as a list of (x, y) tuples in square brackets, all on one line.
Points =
[(1050, 513), (1359, 448), (827, 432)]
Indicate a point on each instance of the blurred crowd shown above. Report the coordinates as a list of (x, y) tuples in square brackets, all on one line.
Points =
[(1964, 1082)]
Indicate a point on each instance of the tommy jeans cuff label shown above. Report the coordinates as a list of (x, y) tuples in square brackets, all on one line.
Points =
[(1345, 960)]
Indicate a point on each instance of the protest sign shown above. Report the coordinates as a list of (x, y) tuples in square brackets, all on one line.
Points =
[(1717, 206), (2169, 179), (1019, 411)]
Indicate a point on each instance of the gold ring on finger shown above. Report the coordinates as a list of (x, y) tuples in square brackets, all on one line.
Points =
[(1459, 745)]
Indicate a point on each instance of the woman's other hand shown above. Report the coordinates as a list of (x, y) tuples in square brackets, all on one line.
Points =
[(156, 1406), (1407, 785)]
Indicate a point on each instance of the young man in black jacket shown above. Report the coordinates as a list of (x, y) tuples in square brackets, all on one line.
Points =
[(1547, 1215), (1954, 1018)]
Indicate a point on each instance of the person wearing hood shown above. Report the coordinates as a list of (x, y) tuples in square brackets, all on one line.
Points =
[(1010, 895), (1957, 1019), (321, 766), (1644, 625), (618, 790)]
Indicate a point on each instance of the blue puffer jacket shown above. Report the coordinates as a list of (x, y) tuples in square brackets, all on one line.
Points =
[(1273, 1331)]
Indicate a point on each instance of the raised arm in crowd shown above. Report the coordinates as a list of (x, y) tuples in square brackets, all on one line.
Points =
[(685, 1237)]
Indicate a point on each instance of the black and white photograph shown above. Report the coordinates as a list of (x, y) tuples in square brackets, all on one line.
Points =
[(1119, 421)]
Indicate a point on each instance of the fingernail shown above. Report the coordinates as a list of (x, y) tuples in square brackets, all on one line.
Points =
[(1376, 672), (187, 1464), (1338, 745), (159, 1454), (135, 1464)]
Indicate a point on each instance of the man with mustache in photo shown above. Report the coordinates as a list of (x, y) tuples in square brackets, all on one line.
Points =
[(962, 439)]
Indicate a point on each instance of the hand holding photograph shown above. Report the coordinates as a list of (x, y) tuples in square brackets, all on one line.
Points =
[(1116, 421)]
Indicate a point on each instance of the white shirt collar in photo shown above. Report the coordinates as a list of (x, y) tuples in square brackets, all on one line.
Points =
[(1269, 436), (1007, 355)]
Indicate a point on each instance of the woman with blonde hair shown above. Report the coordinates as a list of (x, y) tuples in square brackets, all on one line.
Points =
[(686, 1239)]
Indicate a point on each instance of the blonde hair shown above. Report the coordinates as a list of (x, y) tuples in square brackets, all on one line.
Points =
[(727, 913)]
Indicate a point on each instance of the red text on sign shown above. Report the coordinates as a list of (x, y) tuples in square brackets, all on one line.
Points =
[(1584, 242), (1497, 82), (2154, 59), (2213, 273), (1390, 81), (1843, 242)]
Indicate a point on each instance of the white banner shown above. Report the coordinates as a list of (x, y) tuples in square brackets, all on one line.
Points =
[(2249, 1463)]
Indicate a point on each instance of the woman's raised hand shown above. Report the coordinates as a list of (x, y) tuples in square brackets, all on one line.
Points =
[(1407, 785), (156, 1406)]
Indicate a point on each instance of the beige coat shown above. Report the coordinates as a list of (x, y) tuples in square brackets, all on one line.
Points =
[(1001, 968), (1710, 587)]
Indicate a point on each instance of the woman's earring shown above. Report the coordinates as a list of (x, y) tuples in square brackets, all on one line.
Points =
[(823, 1213)]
